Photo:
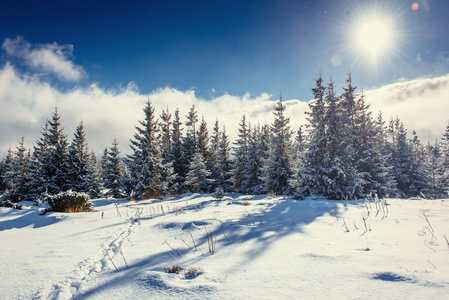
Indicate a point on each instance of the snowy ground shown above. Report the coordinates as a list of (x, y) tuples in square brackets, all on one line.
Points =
[(264, 249)]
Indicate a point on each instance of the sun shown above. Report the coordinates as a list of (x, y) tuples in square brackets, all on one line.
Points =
[(374, 37)]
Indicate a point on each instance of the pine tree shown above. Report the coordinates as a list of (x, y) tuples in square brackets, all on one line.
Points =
[(114, 173), (312, 175), (224, 163), (383, 180), (190, 142), (94, 180), (340, 180), (203, 140), (103, 164), (445, 158), (253, 182), (51, 159), (405, 160), (240, 155), (198, 178), (5, 173), (145, 164), (19, 175), (369, 158), (165, 138), (418, 170), (80, 172), (179, 160), (213, 161), (434, 172), (279, 169)]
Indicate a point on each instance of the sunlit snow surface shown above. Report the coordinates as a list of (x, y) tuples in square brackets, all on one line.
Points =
[(270, 249)]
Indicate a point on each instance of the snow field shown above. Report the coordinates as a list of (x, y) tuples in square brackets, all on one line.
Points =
[(270, 249)]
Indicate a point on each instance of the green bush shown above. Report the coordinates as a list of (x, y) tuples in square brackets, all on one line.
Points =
[(69, 201)]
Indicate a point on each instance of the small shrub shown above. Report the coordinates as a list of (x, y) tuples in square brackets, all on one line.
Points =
[(271, 195), (192, 272), (246, 203), (175, 269), (69, 201), (8, 203), (219, 193)]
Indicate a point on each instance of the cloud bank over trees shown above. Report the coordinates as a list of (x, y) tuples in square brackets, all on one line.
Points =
[(28, 99)]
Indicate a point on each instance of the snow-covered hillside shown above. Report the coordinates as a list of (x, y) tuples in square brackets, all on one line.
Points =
[(241, 247)]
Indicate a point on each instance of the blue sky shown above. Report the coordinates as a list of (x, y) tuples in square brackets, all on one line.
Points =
[(99, 62), (217, 47)]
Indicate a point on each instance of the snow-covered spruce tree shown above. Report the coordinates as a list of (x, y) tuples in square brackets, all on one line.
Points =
[(198, 177), (190, 142), (369, 159), (51, 159), (114, 173), (5, 170), (224, 163), (213, 159), (82, 171), (179, 161), (279, 168), (311, 179), (165, 135), (203, 140), (340, 177), (167, 152), (95, 183), (19, 175), (253, 182), (149, 174), (405, 160), (434, 172), (240, 155), (418, 171), (298, 150), (383, 180), (445, 158)]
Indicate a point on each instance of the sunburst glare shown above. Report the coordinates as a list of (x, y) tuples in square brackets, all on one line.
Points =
[(373, 37)]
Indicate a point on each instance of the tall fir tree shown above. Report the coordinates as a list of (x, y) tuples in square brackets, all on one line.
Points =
[(6, 169), (115, 172), (224, 163), (179, 159), (149, 174), (240, 155), (165, 136), (340, 181), (435, 187), (52, 159), (311, 179), (190, 141), (445, 158), (279, 168), (253, 182), (203, 140), (20, 175), (198, 177), (82, 172)]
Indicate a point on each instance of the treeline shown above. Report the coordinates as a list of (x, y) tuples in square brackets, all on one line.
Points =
[(342, 153)]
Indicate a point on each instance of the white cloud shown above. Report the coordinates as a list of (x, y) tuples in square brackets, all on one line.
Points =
[(27, 102), (421, 104), (47, 58)]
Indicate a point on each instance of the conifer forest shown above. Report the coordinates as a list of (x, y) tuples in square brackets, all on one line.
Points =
[(343, 152)]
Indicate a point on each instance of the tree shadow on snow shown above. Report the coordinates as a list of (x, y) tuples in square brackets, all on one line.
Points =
[(281, 218), (30, 218)]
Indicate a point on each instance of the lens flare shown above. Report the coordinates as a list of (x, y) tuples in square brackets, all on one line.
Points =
[(415, 6)]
